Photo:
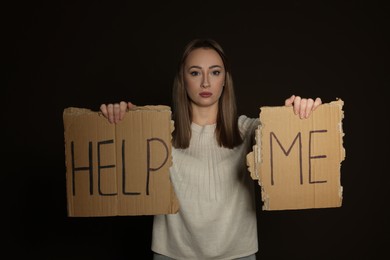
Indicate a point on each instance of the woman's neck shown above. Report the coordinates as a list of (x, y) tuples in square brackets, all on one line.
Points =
[(204, 115)]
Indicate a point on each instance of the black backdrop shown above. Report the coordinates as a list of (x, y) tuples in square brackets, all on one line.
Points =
[(63, 53)]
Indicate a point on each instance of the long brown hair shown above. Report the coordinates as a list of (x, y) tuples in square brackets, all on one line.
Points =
[(227, 132)]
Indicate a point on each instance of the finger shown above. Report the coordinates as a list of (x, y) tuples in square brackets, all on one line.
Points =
[(297, 104), (122, 109), (117, 111), (309, 107), (103, 109), (130, 105), (110, 112), (289, 101), (317, 102), (302, 108)]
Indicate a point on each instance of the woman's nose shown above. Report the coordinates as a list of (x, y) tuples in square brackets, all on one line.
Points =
[(205, 82)]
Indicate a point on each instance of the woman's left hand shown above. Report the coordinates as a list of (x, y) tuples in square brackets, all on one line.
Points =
[(302, 106)]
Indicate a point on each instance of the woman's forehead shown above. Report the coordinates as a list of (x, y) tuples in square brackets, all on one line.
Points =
[(204, 58)]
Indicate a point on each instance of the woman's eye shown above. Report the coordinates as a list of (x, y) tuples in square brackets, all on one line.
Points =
[(216, 72), (194, 73)]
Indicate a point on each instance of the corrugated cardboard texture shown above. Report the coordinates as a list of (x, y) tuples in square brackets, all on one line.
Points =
[(119, 169), (297, 161)]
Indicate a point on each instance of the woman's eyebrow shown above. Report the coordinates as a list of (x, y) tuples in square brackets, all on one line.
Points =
[(199, 67), (195, 67), (215, 66)]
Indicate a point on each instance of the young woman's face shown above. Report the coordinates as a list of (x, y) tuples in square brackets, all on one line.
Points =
[(204, 77)]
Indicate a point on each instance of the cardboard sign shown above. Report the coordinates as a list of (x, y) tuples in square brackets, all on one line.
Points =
[(297, 161), (119, 169)]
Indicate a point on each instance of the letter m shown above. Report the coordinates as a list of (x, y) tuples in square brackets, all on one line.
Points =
[(286, 152)]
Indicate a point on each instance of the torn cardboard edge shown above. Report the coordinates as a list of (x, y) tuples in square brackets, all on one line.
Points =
[(297, 161), (119, 169)]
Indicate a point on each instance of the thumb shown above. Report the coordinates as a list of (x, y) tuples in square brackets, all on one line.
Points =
[(288, 102)]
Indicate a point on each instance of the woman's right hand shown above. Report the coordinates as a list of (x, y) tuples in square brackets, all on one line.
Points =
[(115, 112)]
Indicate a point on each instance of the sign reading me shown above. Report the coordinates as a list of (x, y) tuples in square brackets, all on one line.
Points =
[(297, 161)]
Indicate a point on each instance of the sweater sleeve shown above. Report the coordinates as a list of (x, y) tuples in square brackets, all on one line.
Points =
[(247, 127)]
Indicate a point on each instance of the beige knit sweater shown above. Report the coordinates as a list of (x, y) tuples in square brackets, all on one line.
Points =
[(217, 215)]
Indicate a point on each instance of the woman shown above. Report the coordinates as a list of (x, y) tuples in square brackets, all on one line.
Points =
[(217, 216)]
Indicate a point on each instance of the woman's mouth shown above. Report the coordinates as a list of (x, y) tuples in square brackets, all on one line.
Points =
[(205, 94)]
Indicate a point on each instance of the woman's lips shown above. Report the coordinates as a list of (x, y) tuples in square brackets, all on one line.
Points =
[(205, 94)]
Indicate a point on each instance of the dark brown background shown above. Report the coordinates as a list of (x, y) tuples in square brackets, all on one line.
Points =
[(65, 53)]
